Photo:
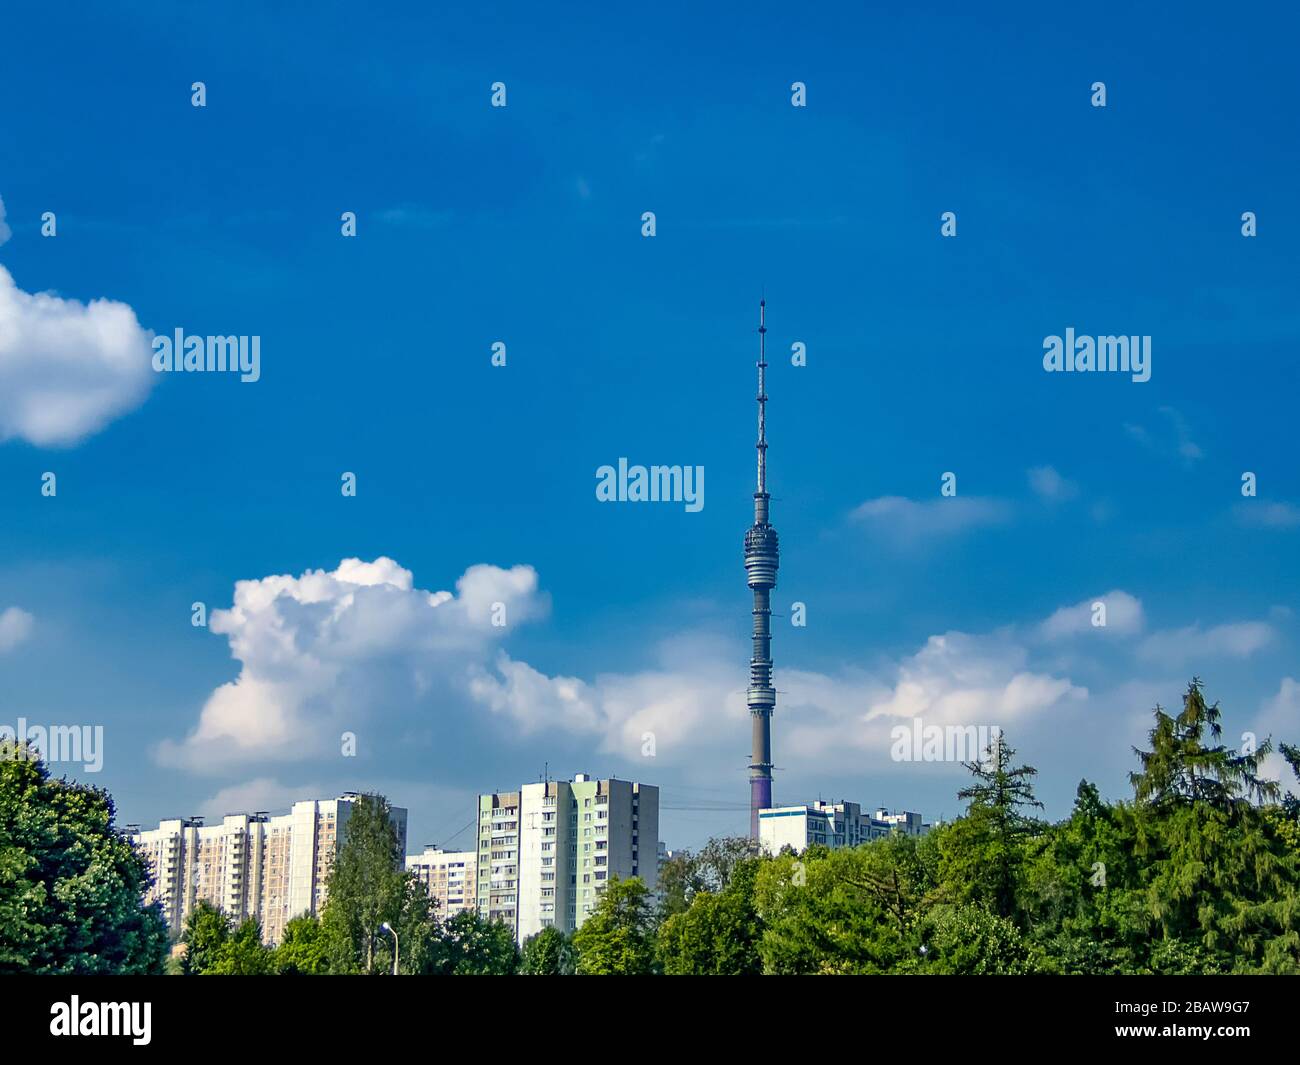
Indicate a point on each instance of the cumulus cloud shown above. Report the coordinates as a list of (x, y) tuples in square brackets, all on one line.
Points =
[(15, 627), (67, 368), (322, 653), (362, 648), (5, 231), (686, 698), (962, 679), (1123, 617), (907, 521), (690, 705), (1192, 643)]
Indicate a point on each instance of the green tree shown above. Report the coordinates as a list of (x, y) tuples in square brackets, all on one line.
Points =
[(548, 953), (971, 941), (474, 946), (243, 953), (303, 950), (844, 911), (1291, 802), (718, 934), (206, 932), (710, 869), (678, 882), (1191, 877), (1220, 876), (617, 939), (423, 945), (717, 862), (367, 887), (983, 852), (1079, 895), (71, 887), (1187, 763)]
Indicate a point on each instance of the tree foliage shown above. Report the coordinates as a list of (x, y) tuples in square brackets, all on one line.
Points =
[(718, 933), (983, 852), (548, 953), (243, 953), (471, 945), (617, 938), (71, 886), (1187, 762), (303, 949), (367, 886), (206, 932)]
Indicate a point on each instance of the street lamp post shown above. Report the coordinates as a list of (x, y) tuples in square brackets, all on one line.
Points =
[(396, 946)]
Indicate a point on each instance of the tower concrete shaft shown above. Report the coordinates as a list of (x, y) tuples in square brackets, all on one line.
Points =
[(761, 560)]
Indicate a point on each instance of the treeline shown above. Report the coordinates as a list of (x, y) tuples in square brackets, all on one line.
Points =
[(1199, 872)]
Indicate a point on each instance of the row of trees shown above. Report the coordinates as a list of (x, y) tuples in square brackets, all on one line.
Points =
[(1198, 873), (465, 945)]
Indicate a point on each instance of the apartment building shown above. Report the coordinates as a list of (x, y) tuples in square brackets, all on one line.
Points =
[(547, 851), (838, 824), (250, 865), (497, 859), (450, 877)]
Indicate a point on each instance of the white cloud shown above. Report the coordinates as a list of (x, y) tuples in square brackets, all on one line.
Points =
[(1171, 441), (324, 652), (694, 707), (1279, 718), (688, 698), (1050, 486), (67, 368), (1193, 643), (15, 627), (906, 521), (1123, 617), (5, 231), (254, 796), (363, 649), (959, 679), (1257, 513)]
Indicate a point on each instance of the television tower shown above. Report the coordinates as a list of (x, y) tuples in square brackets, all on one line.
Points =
[(760, 570)]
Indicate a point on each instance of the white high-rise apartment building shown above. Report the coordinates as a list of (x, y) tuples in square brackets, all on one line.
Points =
[(450, 877), (250, 865), (547, 851), (831, 824)]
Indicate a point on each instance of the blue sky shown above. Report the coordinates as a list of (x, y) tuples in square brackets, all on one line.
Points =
[(522, 224)]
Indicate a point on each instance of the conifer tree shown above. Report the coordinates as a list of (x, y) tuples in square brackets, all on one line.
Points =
[(1188, 763), (987, 850)]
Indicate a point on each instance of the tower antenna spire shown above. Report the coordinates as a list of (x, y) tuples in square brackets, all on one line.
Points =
[(762, 396)]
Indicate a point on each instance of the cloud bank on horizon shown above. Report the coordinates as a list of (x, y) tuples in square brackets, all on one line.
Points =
[(361, 649)]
